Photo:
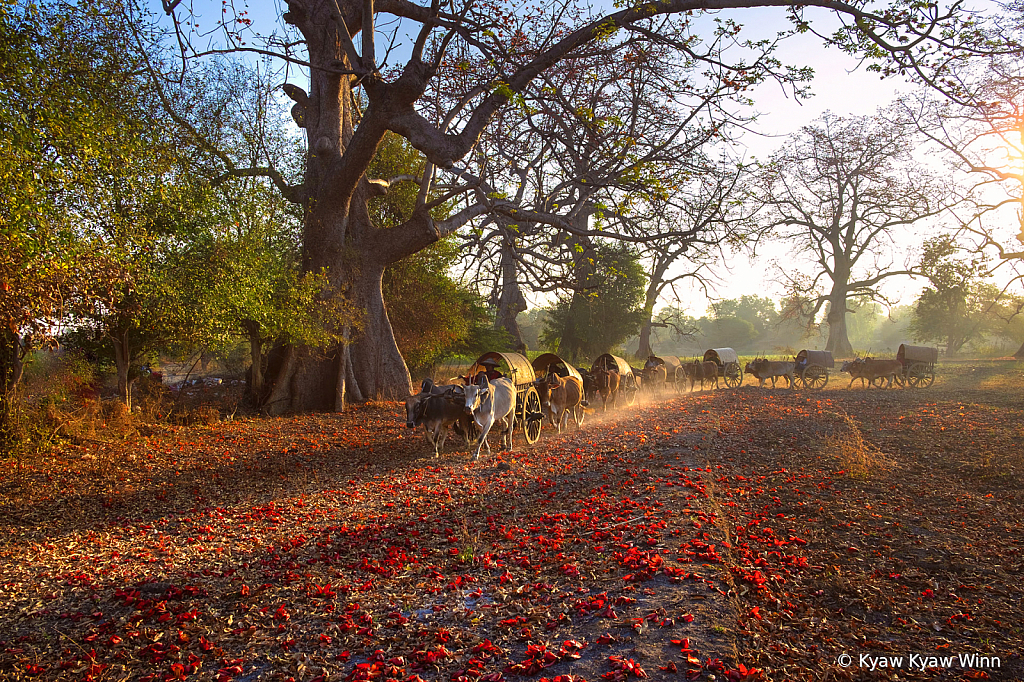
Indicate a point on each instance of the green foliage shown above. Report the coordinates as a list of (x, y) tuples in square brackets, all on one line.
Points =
[(61, 78), (958, 305), (730, 331), (607, 310)]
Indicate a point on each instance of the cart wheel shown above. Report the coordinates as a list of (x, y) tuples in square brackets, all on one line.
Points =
[(815, 377), (629, 392), (733, 375), (531, 415), (919, 376)]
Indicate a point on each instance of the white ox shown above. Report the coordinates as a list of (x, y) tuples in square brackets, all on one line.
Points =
[(489, 402)]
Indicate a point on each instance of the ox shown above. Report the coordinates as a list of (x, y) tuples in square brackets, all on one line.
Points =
[(435, 408), (607, 382), (655, 375), (749, 369), (869, 369), (694, 372), (489, 402), (710, 374), (763, 368), (560, 398)]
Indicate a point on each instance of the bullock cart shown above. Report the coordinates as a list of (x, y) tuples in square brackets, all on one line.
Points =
[(812, 367), (728, 365), (673, 369), (627, 380), (549, 362), (517, 368), (918, 363)]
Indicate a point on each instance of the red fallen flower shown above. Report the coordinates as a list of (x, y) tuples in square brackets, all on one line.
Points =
[(669, 668), (607, 638), (756, 613), (687, 617)]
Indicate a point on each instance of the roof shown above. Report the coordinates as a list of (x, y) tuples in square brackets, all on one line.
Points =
[(917, 354), (609, 361), (816, 358), (721, 355), (670, 361), (519, 368), (545, 363)]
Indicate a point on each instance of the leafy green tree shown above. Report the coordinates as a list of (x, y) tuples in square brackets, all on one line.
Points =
[(958, 306), (59, 67), (611, 311)]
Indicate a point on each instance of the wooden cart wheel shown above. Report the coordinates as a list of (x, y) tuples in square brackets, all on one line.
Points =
[(531, 415), (815, 377), (919, 376), (733, 375), (629, 392)]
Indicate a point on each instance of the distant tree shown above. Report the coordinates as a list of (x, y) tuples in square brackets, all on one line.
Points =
[(838, 192), (729, 330), (959, 305), (609, 313)]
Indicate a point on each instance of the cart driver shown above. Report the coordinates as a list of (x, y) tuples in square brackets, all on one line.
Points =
[(490, 369)]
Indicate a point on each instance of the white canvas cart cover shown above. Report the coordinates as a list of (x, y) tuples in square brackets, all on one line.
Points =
[(722, 356)]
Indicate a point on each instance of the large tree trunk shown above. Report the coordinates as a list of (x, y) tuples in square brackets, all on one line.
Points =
[(511, 301), (336, 233), (571, 344), (654, 287), (838, 333), (377, 365)]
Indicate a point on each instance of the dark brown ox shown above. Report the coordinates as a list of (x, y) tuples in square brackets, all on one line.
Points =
[(710, 374), (870, 369), (763, 368), (436, 408), (561, 398), (694, 372), (607, 381), (655, 376)]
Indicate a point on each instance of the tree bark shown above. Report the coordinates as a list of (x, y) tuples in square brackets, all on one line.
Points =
[(123, 361), (10, 362), (838, 333), (256, 381), (584, 256), (654, 288), (511, 301)]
